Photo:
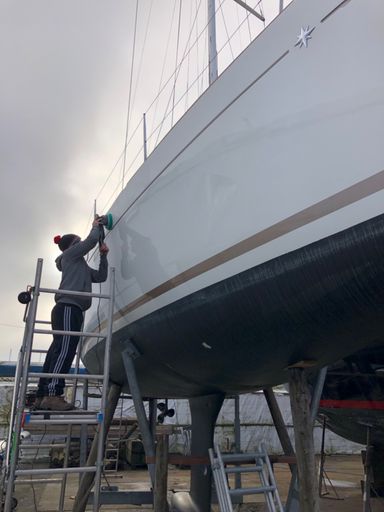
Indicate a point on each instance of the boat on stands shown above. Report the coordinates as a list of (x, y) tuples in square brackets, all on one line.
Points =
[(252, 237), (352, 404)]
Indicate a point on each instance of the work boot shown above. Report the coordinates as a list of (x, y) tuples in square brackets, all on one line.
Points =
[(55, 403)]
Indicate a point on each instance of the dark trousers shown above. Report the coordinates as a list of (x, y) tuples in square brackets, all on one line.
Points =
[(61, 353)]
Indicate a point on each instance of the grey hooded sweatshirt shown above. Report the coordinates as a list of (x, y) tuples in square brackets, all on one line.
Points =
[(77, 275)]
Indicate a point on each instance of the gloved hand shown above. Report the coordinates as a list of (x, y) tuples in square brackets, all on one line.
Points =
[(104, 249)]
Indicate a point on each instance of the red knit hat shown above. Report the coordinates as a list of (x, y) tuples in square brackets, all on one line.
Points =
[(65, 241)]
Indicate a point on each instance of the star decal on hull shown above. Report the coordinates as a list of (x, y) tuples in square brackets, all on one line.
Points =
[(304, 37)]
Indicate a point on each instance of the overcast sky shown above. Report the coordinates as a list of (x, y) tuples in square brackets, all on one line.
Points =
[(64, 90)]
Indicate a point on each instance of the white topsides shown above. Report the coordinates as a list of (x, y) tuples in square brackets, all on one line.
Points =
[(287, 127)]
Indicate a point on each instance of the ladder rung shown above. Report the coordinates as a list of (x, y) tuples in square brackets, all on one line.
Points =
[(85, 469), (241, 457), (39, 481), (248, 469), (41, 446), (251, 490), (39, 351), (85, 376), (260, 461), (65, 421), (47, 414), (76, 294), (46, 322), (70, 333)]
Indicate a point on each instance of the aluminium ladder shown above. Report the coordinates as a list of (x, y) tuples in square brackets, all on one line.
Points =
[(224, 464), (113, 443), (20, 416)]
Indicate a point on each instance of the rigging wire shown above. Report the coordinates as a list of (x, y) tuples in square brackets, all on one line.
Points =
[(167, 111), (177, 55), (261, 7), (118, 185), (197, 49), (156, 100), (238, 28), (111, 172), (238, 23), (188, 64), (185, 54), (116, 164), (130, 92), (199, 80), (142, 52), (177, 71), (205, 59), (226, 29), (249, 26)]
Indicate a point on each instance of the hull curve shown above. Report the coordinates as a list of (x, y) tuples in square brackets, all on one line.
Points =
[(317, 303), (252, 237)]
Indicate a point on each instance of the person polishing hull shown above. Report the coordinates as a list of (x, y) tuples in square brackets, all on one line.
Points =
[(68, 312)]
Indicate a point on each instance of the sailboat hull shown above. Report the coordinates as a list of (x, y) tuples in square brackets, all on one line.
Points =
[(314, 304), (251, 238), (353, 406), (352, 399)]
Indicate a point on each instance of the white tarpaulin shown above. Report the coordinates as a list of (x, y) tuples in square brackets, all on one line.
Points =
[(255, 420), (256, 426)]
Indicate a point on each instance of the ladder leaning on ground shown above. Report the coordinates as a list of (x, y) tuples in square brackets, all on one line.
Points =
[(233, 463), (12, 475)]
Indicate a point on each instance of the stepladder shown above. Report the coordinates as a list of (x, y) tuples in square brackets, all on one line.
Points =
[(15, 471), (113, 440), (264, 483)]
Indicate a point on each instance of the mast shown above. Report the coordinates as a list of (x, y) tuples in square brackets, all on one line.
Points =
[(212, 51)]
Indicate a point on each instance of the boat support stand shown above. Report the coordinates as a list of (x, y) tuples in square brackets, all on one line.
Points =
[(204, 412), (84, 495), (129, 354), (87, 479), (304, 410)]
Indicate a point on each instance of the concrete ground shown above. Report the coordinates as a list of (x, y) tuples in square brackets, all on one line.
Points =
[(344, 474)]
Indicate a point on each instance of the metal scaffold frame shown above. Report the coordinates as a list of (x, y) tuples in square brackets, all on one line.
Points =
[(20, 416)]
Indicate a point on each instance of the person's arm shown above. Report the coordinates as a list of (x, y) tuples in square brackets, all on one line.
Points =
[(83, 247), (100, 275)]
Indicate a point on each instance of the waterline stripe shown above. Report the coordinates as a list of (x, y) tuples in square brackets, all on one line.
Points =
[(331, 204)]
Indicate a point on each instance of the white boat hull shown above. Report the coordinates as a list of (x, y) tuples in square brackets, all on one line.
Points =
[(282, 151)]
